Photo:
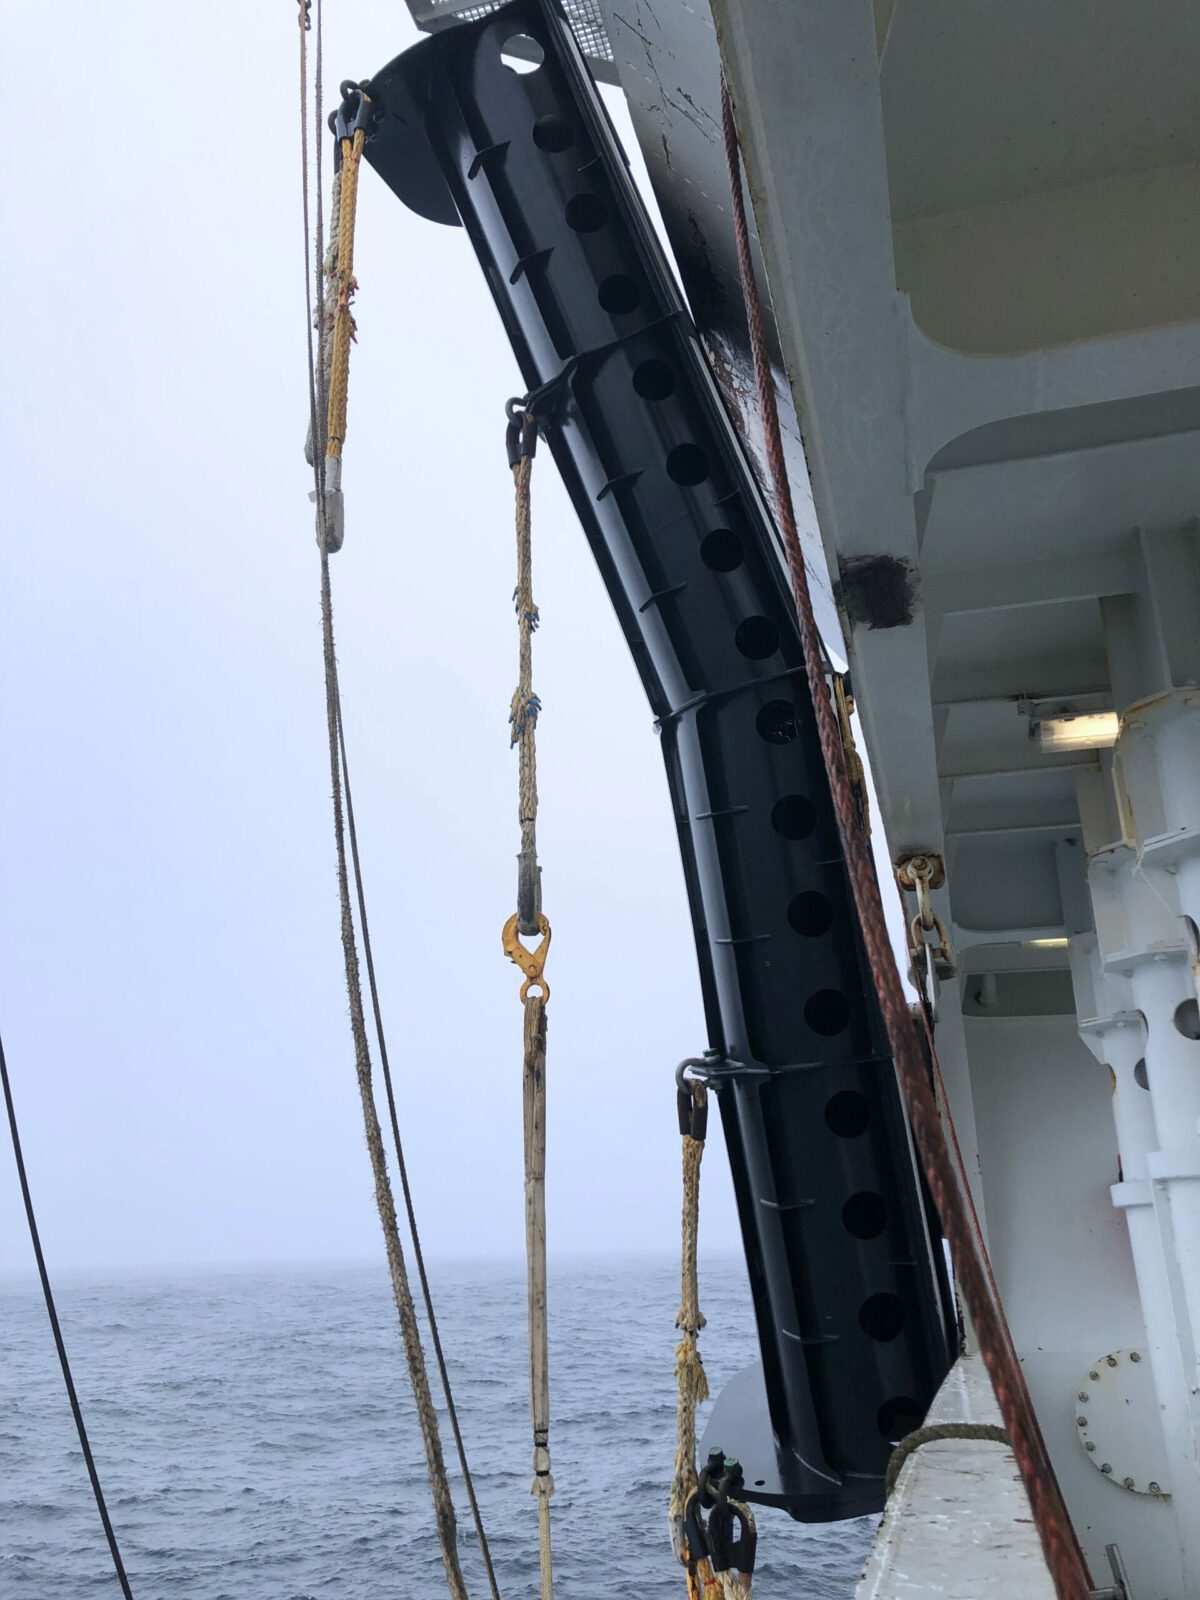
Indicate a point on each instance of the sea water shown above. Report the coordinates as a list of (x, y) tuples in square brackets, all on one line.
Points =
[(256, 1436)]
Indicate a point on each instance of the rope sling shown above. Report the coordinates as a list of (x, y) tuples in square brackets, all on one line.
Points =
[(535, 991)]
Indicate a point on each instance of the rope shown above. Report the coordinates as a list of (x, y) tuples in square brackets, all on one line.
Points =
[(410, 1333), (328, 304), (335, 325), (929, 1434), (1063, 1555), (534, 1100), (343, 268), (535, 992), (687, 1495), (523, 713), (690, 1378), (384, 1200), (59, 1342), (705, 1584), (402, 1167)]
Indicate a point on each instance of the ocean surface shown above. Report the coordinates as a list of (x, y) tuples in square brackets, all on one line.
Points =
[(256, 1438)]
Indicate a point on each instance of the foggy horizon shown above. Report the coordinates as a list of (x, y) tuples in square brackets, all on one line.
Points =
[(171, 993)]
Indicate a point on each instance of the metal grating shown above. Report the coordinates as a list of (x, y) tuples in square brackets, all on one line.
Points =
[(587, 24)]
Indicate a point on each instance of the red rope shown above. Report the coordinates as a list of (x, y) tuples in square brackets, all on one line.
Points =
[(948, 1187)]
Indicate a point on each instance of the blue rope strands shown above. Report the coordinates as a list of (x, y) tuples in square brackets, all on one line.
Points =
[(522, 715)]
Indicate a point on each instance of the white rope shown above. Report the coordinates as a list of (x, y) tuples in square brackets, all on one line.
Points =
[(535, 993), (523, 713)]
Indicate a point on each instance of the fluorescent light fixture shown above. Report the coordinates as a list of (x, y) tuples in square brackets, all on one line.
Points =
[(1090, 730), (1046, 944)]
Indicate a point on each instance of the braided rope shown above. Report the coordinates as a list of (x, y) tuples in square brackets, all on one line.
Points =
[(1063, 1555), (523, 712), (343, 319), (410, 1334), (523, 724), (323, 318), (435, 1337), (930, 1434), (320, 365), (534, 1102), (690, 1378)]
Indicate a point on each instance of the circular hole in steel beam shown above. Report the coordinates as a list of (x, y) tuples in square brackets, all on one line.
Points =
[(521, 53), (827, 1012), (865, 1214), (687, 464), (757, 638), (618, 295), (553, 132), (847, 1114), (794, 817), (882, 1317), (722, 550), (776, 722), (898, 1417), (653, 380), (586, 213), (811, 913), (1187, 1019)]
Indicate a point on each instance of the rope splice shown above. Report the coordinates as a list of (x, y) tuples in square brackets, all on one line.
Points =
[(521, 441), (349, 125)]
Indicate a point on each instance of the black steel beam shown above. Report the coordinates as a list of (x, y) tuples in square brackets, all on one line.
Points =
[(848, 1282)]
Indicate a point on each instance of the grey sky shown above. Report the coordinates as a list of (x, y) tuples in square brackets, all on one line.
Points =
[(171, 988)]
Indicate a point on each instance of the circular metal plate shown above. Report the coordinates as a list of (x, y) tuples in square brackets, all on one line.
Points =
[(1116, 1419)]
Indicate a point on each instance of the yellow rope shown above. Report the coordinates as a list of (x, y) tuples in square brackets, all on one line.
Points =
[(690, 1378), (705, 1584), (343, 320)]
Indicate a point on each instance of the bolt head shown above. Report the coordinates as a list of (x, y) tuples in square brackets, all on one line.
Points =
[(1134, 1355), (1089, 1444), (1154, 1487), (1083, 1394), (1094, 1376), (1112, 1360), (1128, 1482), (1106, 1466), (1081, 1422)]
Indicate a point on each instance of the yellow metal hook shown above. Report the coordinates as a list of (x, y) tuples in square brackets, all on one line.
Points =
[(531, 962)]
